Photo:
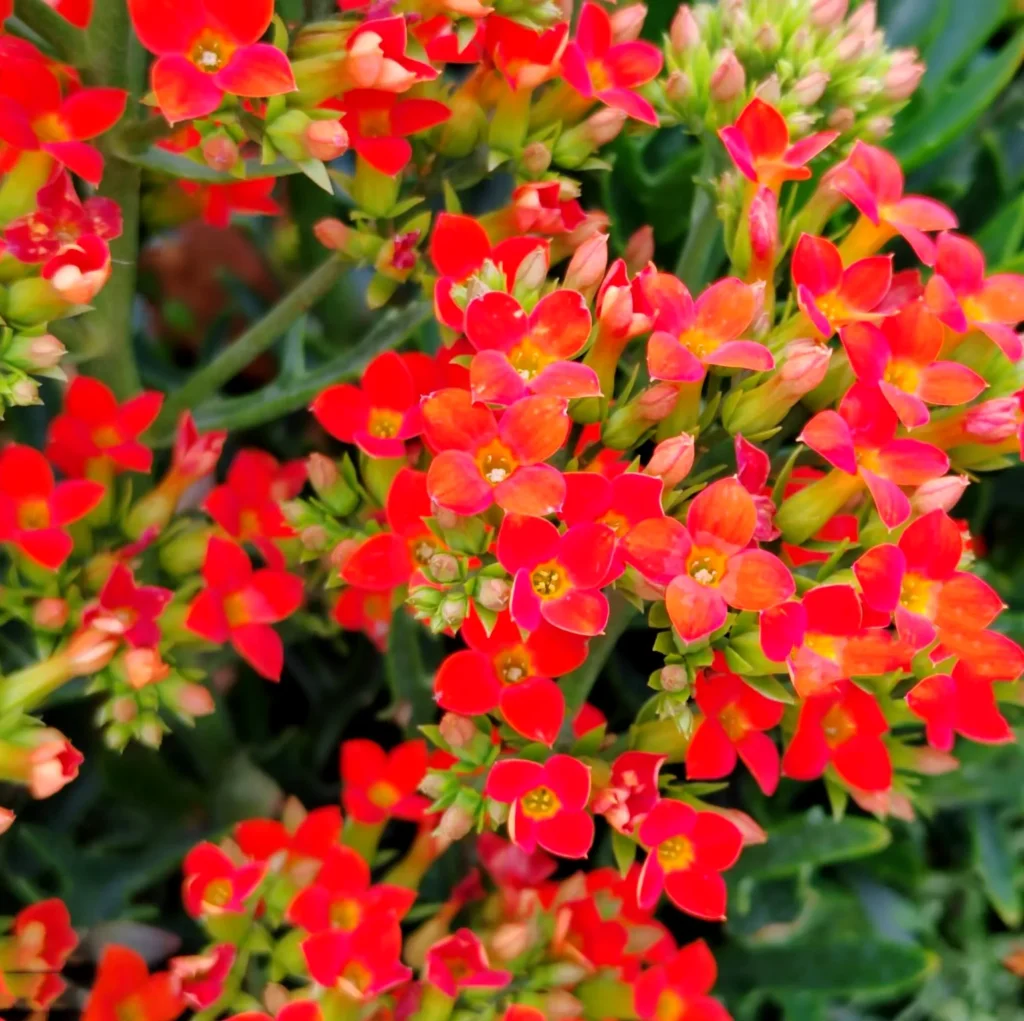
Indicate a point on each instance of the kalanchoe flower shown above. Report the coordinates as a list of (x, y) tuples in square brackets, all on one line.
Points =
[(691, 335), (831, 296), (965, 299), (214, 884), (735, 717), (95, 433), (759, 146), (753, 467), (900, 358), (310, 839), (548, 803), (526, 57), (678, 987), (40, 942), (556, 578), (206, 49), (127, 609), (379, 785), (482, 460), (958, 703), (521, 354), (502, 670), (216, 202), (362, 963), (377, 57), (42, 759), (459, 962), (199, 979), (842, 726), (631, 791), (598, 68), (34, 510), (124, 988), (239, 605), (540, 207), (688, 852)]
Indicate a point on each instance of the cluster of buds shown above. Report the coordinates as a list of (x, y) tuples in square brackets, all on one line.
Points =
[(823, 64)]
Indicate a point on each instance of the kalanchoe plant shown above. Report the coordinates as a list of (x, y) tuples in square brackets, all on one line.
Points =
[(760, 470)]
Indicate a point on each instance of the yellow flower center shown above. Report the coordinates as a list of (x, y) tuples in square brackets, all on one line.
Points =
[(838, 726), (734, 723), (917, 594), (698, 342), (217, 893), (675, 853), (383, 794), (384, 423), (540, 803), (33, 514), (528, 359), (549, 580), (902, 375), (210, 52), (706, 566), (512, 665), (496, 462), (346, 914)]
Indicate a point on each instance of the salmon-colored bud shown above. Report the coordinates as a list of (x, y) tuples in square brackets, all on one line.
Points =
[(616, 311), (533, 270), (321, 471), (511, 940), (90, 650), (627, 22), (604, 126), (144, 666), (588, 264), (728, 79), (314, 538), (365, 60), (657, 402), (219, 151), (455, 823), (828, 13), (536, 158), (767, 39), (326, 140), (494, 594), (809, 89), (864, 19), (933, 762), (559, 1005), (50, 613), (35, 353), (7, 818), (678, 86), (341, 553), (770, 90), (994, 421), (432, 785), (903, 75), (878, 127), (684, 32), (749, 828), (805, 365), (332, 233), (672, 460), (842, 119), (124, 709), (674, 677), (457, 730), (939, 494), (639, 249), (42, 759)]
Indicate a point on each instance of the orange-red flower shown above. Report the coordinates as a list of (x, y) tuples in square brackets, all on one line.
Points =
[(502, 670), (831, 296), (598, 68), (459, 962), (206, 49), (34, 511), (734, 719), (482, 460), (678, 987), (859, 439), (958, 703), (124, 988), (127, 609), (691, 335), (379, 785), (527, 58), (631, 791), (199, 979), (548, 803), (95, 432), (377, 56), (899, 357), (759, 146), (214, 884), (362, 963), (965, 299), (842, 726), (41, 940), (556, 578), (216, 202), (239, 605), (689, 850), (520, 354)]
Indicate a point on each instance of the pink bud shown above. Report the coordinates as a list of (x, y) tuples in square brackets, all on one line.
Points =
[(769, 90), (994, 421), (678, 86), (457, 730), (219, 151), (809, 89), (332, 233), (828, 13), (684, 32), (627, 23), (674, 677), (842, 119), (90, 650), (903, 75), (144, 666), (764, 225), (616, 311), (455, 823), (864, 19), (536, 158), (939, 494), (805, 365), (326, 140), (656, 402), (494, 594), (604, 126), (533, 270), (588, 264), (728, 79), (639, 249), (7, 818), (767, 39), (50, 613), (672, 460), (878, 127)]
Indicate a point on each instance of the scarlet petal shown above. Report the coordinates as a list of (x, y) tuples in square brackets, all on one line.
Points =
[(261, 647), (452, 421), (90, 112), (536, 490), (695, 610), (807, 754), (630, 103), (458, 245), (495, 320), (742, 354), (911, 410), (866, 282), (578, 612), (967, 603), (226, 566), (669, 360), (167, 26), (245, 22), (560, 324), (764, 129), (586, 552), (701, 894), (717, 841), (524, 542), (524, 604), (568, 380), (380, 564), (535, 428), (15, 127), (867, 349), (829, 435), (534, 708), (911, 462), (987, 653), (455, 483), (49, 547), (761, 757), (510, 778), (864, 762), (817, 264), (73, 500), (410, 116), (633, 63), (710, 754), (724, 511), (182, 91), (960, 262), (756, 580), (79, 157), (257, 70), (568, 834), (949, 383), (388, 155), (736, 145), (493, 380), (465, 683), (725, 309), (891, 502), (206, 618), (594, 31), (880, 574)]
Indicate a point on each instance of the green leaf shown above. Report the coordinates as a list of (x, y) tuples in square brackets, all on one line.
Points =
[(317, 173), (812, 841), (624, 851), (968, 27), (771, 687), (409, 679), (995, 862)]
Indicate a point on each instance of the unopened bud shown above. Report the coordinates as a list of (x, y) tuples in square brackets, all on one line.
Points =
[(458, 731), (878, 128), (321, 471), (560, 1005), (536, 158), (7, 818), (657, 401), (995, 420), (124, 709), (455, 823), (219, 151), (443, 568), (35, 354), (805, 365), (674, 677), (89, 651), (194, 699), (809, 89), (314, 538), (828, 13), (728, 79), (510, 940), (639, 249), (50, 613), (453, 611), (939, 494), (326, 140), (767, 39), (684, 32), (24, 393), (672, 460), (864, 19), (770, 90), (903, 75), (588, 264), (604, 126), (494, 594), (627, 23), (432, 785), (678, 86), (144, 666), (533, 270), (332, 233)]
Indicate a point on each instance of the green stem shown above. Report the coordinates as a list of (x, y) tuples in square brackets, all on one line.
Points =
[(576, 686), (29, 687), (694, 260), (234, 358), (57, 32)]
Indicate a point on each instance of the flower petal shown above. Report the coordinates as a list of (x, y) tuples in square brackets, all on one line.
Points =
[(257, 70), (694, 609), (182, 91)]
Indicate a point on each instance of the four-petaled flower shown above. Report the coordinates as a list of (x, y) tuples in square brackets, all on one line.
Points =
[(361, 963), (124, 988), (379, 785), (127, 609), (459, 962), (958, 703), (214, 884), (678, 987)]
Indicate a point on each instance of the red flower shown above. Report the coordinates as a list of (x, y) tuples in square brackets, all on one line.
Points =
[(216, 202), (248, 505), (199, 980), (958, 703), (124, 988), (311, 839), (872, 180), (239, 605), (34, 116), (679, 988), (964, 299), (206, 48), (377, 58), (691, 335), (753, 466), (459, 246), (362, 963), (831, 296), (859, 439), (688, 852), (214, 884), (510, 866), (735, 717), (297, 1010), (194, 454), (538, 208), (556, 578), (379, 785), (759, 146), (918, 581), (631, 791), (842, 726), (707, 564), (43, 937), (459, 962), (521, 354), (900, 359), (378, 122), (597, 68), (482, 461), (502, 670), (380, 414), (527, 58), (342, 896), (363, 610), (130, 610), (549, 803), (94, 431), (34, 511)]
